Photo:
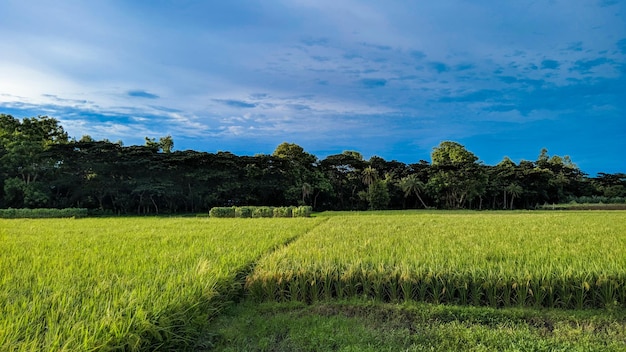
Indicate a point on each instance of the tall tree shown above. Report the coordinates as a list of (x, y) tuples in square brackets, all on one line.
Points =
[(300, 169), (22, 147), (456, 176), (343, 171)]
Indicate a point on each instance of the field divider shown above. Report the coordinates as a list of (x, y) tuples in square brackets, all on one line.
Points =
[(235, 289)]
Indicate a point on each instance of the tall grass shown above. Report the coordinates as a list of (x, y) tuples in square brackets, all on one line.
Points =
[(542, 259), (123, 283)]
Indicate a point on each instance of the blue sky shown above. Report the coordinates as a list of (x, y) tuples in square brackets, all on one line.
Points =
[(386, 78)]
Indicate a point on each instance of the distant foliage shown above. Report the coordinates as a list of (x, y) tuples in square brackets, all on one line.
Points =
[(597, 200), (43, 213), (261, 212), (41, 167)]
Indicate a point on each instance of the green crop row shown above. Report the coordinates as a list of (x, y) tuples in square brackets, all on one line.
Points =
[(541, 259), (43, 213), (260, 212), (123, 283)]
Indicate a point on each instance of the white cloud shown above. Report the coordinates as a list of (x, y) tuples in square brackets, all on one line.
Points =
[(351, 70)]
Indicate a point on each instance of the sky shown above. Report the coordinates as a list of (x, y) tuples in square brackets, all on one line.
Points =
[(386, 78)]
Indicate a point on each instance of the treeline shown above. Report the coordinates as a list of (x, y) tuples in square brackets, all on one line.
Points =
[(41, 167)]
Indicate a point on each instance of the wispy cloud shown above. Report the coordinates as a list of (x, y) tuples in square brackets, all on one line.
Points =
[(142, 94), (236, 103), (394, 77)]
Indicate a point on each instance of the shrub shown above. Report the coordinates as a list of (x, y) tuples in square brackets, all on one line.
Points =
[(243, 212), (283, 212), (262, 212), (302, 212), (43, 213), (222, 212)]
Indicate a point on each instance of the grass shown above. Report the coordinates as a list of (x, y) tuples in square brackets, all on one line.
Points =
[(365, 325), (124, 283)]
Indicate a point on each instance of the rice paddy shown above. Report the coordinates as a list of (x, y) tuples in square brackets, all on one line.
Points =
[(156, 283), (123, 283), (556, 260)]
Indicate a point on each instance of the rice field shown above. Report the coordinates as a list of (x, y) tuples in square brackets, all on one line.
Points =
[(124, 283), (498, 259), (155, 283)]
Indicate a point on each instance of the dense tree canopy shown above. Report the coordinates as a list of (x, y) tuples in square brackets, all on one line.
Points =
[(41, 167)]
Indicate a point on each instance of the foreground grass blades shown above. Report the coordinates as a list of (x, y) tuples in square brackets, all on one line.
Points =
[(124, 283), (499, 259), (366, 325)]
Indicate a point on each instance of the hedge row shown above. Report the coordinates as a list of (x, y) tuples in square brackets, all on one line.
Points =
[(260, 212), (43, 213)]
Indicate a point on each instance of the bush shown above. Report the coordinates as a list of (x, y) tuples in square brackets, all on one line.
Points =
[(302, 212), (262, 212), (243, 212), (43, 213), (283, 212), (222, 212)]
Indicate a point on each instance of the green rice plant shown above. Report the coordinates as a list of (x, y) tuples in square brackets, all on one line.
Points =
[(328, 278), (423, 284), (392, 284), (521, 289), (459, 285), (607, 288), (476, 293), (125, 283), (407, 284)]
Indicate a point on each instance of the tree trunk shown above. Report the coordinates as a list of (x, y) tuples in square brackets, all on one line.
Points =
[(315, 199), (191, 195), (421, 200), (156, 207)]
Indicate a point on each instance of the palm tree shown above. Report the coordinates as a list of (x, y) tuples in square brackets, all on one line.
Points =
[(515, 190), (369, 175), (412, 184)]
